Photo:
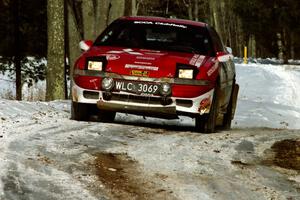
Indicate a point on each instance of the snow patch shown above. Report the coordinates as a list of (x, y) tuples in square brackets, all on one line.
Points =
[(269, 96)]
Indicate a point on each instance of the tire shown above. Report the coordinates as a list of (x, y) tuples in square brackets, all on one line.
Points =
[(106, 116), (207, 123), (228, 116), (80, 111)]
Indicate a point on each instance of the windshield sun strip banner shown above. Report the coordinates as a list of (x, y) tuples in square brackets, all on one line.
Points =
[(161, 23), (141, 67)]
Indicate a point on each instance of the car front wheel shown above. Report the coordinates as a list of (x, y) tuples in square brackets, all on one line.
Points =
[(106, 116), (228, 116), (80, 111)]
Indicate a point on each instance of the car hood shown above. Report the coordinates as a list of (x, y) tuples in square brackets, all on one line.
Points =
[(144, 62)]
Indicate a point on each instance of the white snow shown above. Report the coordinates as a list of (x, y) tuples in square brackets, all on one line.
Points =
[(269, 96)]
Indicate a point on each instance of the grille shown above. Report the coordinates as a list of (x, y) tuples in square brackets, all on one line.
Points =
[(90, 95), (137, 99), (184, 103)]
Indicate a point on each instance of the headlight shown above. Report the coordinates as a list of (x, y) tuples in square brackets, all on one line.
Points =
[(165, 89), (186, 73), (95, 65), (107, 84)]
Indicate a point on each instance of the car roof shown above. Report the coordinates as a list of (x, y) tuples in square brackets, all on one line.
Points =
[(164, 20)]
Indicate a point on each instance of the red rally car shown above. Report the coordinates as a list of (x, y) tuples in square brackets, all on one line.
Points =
[(156, 67)]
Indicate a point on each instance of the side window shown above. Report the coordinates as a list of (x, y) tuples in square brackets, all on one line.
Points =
[(218, 45)]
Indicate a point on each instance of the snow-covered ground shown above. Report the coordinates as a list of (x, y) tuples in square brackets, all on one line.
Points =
[(45, 155), (269, 96)]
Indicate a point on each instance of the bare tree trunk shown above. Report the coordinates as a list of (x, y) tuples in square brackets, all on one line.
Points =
[(240, 38), (223, 19), (189, 7), (252, 46), (73, 37), (190, 12), (134, 9), (67, 62), (196, 10), (286, 43), (17, 49), (227, 24), (88, 17), (215, 19), (102, 8), (292, 48), (116, 10), (167, 7), (56, 50), (280, 46), (107, 11)]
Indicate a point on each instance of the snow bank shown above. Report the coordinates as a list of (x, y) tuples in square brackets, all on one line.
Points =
[(269, 96)]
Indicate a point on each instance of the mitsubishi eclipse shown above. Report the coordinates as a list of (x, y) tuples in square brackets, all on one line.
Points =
[(157, 67)]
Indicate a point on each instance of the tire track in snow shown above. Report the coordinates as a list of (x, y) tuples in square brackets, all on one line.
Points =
[(49, 159), (22, 159)]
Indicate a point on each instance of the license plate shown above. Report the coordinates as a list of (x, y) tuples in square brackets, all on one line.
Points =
[(136, 87)]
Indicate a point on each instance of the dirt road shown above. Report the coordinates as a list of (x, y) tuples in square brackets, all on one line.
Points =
[(45, 155)]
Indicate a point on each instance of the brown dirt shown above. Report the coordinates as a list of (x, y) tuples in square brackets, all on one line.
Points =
[(121, 176), (286, 154), (240, 164), (44, 159)]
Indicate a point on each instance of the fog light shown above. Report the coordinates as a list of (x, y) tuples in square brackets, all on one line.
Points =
[(166, 101), (165, 89), (106, 96), (107, 84)]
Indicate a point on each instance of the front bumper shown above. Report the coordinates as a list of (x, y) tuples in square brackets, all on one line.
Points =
[(162, 112), (147, 106)]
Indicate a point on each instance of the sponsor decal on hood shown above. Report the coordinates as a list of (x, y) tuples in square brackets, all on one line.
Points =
[(145, 58), (112, 57), (139, 73), (142, 63), (129, 51), (212, 69), (197, 60), (141, 67)]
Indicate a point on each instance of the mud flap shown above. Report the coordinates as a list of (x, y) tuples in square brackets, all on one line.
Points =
[(234, 99)]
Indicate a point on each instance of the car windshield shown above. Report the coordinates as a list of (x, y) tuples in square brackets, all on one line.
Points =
[(157, 36)]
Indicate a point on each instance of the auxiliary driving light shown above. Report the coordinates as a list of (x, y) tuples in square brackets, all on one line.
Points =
[(95, 65), (186, 73), (165, 89), (107, 84)]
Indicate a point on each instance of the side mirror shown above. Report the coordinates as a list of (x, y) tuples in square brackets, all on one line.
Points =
[(224, 57), (85, 45), (229, 50)]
